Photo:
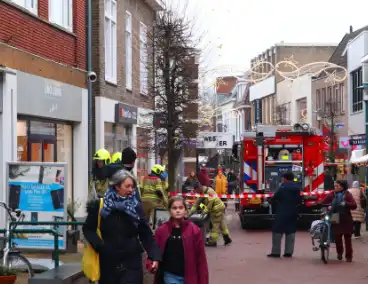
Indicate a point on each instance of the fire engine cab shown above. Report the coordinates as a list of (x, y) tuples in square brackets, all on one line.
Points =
[(267, 153)]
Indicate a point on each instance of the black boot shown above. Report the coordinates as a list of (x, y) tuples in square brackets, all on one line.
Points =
[(227, 240), (211, 244)]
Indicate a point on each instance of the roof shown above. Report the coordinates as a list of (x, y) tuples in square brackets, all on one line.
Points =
[(224, 85), (337, 57)]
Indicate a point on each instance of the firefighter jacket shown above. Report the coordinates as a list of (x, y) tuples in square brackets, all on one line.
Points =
[(152, 188), (100, 186), (214, 205)]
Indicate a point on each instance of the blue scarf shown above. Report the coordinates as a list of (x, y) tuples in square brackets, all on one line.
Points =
[(128, 205), (338, 198)]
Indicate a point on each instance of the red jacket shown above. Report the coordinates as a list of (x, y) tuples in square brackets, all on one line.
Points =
[(195, 261), (203, 178)]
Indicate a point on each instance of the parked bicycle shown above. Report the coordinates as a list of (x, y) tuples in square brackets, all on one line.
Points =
[(321, 232), (10, 256)]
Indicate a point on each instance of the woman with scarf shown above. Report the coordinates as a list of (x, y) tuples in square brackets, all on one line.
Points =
[(123, 230), (342, 202)]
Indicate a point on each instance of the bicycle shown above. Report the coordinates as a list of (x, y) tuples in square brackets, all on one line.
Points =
[(324, 238), (9, 255)]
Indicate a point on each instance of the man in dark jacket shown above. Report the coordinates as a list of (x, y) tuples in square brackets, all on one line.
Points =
[(287, 198)]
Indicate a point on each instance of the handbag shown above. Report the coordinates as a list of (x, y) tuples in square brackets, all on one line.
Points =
[(335, 218), (91, 260)]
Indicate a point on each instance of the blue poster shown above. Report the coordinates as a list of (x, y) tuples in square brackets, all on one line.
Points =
[(38, 191)]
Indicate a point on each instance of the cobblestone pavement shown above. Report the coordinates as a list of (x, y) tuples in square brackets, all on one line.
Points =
[(245, 261)]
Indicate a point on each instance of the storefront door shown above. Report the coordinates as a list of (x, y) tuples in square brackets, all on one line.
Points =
[(43, 149)]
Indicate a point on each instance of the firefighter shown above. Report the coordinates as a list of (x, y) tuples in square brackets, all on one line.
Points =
[(116, 158), (152, 192), (216, 209), (99, 182)]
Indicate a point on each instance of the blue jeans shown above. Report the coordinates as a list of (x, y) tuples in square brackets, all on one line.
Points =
[(170, 278)]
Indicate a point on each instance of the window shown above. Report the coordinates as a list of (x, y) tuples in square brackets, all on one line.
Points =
[(318, 99), (110, 41), (117, 137), (323, 98), (342, 98), (61, 13), (357, 100), (128, 51), (143, 59), (30, 5)]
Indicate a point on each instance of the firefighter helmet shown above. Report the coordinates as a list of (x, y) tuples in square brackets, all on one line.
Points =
[(116, 157), (102, 155), (157, 169)]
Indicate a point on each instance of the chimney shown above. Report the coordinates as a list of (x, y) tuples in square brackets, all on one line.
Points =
[(351, 29)]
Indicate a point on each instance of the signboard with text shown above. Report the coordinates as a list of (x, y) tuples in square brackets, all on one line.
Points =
[(215, 140), (126, 114), (258, 111), (39, 191)]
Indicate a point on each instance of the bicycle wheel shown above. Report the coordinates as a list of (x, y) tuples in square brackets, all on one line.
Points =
[(20, 263), (324, 246)]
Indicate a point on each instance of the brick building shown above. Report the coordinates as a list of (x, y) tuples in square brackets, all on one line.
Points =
[(121, 93), (263, 93), (44, 102)]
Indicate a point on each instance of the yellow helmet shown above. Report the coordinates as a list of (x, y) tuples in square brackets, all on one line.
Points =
[(102, 155), (158, 169), (116, 157)]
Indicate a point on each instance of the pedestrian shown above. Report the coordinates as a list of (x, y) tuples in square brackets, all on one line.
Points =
[(342, 202), (287, 198), (232, 181), (221, 184), (215, 207), (123, 232), (189, 182), (358, 214), (182, 247)]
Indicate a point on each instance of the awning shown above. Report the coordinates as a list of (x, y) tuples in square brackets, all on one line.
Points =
[(358, 157)]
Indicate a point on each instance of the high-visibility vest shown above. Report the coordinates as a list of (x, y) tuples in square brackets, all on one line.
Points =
[(150, 186)]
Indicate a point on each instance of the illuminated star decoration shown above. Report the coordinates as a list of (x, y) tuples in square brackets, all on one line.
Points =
[(332, 78), (290, 62)]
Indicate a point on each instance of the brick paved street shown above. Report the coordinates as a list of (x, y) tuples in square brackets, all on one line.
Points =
[(245, 261)]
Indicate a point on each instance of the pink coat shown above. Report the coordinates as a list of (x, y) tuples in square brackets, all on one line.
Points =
[(195, 260), (357, 214)]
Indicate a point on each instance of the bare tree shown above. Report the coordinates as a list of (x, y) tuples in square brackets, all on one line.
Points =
[(174, 70)]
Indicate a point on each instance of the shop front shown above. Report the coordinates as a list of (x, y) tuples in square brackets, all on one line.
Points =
[(48, 123), (116, 125)]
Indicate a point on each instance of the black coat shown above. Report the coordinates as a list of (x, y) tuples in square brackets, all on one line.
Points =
[(286, 199), (120, 248)]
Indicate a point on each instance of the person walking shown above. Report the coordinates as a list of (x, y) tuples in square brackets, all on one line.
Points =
[(182, 247), (358, 214), (287, 198), (342, 202), (123, 232)]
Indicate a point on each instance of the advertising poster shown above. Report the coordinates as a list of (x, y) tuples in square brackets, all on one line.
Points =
[(38, 190)]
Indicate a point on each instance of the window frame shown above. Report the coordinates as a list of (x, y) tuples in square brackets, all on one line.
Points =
[(110, 40), (318, 99), (357, 92), (29, 5), (128, 51), (342, 98), (143, 52), (67, 18)]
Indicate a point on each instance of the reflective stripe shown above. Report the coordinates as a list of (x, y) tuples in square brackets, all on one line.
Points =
[(151, 196)]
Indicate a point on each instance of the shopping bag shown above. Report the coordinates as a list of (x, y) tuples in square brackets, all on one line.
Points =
[(91, 260)]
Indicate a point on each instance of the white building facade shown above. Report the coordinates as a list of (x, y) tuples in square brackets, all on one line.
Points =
[(356, 50)]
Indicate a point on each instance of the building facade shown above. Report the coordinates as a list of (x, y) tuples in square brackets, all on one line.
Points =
[(120, 59), (264, 91), (44, 102), (356, 49)]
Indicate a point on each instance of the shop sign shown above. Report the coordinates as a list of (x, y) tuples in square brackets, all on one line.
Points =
[(215, 140), (126, 114), (39, 190), (38, 96), (357, 139)]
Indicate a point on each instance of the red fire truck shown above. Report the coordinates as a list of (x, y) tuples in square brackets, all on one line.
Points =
[(267, 153)]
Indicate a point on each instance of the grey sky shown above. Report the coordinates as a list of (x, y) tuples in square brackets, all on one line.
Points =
[(246, 28)]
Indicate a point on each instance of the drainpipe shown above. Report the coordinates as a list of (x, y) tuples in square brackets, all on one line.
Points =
[(89, 69)]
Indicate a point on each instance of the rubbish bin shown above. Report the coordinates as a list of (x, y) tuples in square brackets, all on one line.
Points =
[(202, 221)]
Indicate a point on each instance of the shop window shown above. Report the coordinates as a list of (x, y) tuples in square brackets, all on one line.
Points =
[(22, 141), (117, 137), (64, 153)]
